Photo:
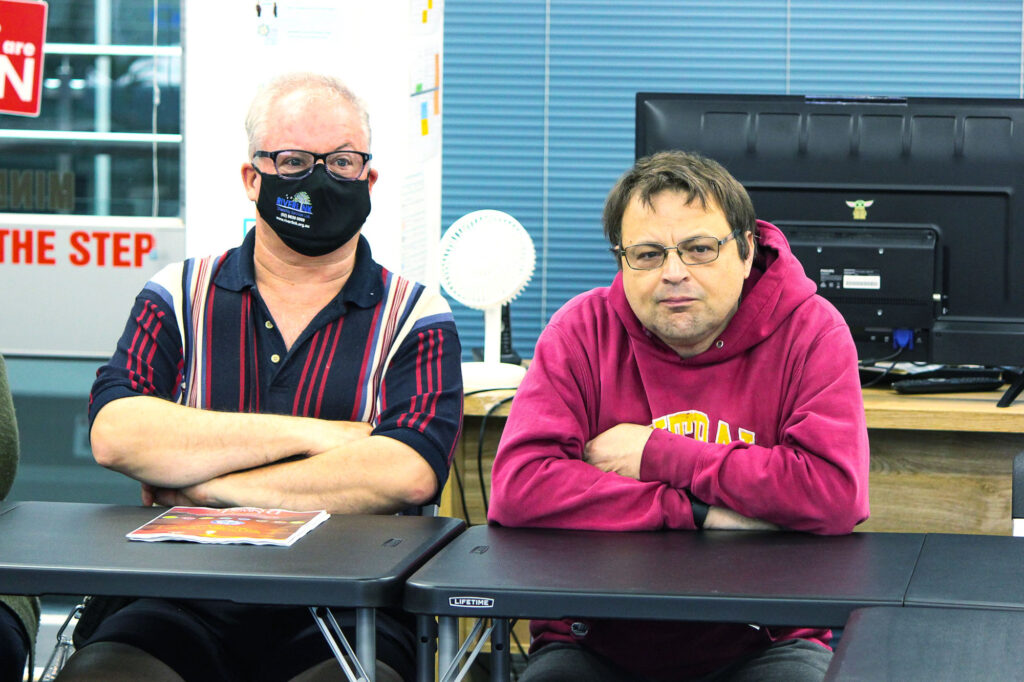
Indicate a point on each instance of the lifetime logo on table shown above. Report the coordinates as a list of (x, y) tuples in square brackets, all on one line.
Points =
[(471, 602)]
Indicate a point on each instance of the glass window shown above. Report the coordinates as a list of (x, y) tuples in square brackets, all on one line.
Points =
[(107, 143), (108, 137)]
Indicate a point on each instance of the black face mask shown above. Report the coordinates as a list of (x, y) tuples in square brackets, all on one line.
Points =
[(315, 215)]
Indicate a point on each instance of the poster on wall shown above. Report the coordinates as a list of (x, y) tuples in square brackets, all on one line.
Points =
[(22, 37), (421, 189)]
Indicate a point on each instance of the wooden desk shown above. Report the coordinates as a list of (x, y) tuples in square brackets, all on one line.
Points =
[(942, 463), (883, 408), (976, 412), (939, 463)]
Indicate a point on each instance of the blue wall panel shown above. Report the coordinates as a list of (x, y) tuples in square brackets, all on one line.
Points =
[(540, 97)]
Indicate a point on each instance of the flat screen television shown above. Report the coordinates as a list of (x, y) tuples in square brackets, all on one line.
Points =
[(907, 212)]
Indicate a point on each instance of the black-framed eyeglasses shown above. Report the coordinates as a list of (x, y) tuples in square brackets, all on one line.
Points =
[(693, 251), (295, 164)]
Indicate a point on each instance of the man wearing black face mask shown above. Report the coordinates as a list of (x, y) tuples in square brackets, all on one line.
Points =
[(287, 198), (257, 378)]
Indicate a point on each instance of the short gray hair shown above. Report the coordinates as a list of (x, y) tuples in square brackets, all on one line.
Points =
[(285, 84)]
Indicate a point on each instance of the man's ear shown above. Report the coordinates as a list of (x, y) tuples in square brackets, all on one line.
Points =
[(371, 179), (251, 181), (748, 263)]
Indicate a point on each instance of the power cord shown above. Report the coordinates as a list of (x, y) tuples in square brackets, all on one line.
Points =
[(480, 448), (462, 493), (895, 357), (455, 467)]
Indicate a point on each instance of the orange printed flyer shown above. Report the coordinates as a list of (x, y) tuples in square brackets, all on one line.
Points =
[(232, 525)]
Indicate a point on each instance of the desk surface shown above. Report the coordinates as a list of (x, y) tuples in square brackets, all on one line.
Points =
[(350, 560), (929, 644), (883, 408), (732, 576), (886, 409), (969, 571)]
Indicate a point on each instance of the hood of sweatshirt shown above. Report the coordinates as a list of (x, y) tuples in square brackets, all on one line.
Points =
[(775, 288)]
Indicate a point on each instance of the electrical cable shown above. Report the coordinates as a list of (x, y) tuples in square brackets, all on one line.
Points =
[(887, 358), (489, 390), (462, 493), (895, 359), (480, 447)]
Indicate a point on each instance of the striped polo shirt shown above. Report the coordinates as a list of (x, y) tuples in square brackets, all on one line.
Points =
[(384, 351)]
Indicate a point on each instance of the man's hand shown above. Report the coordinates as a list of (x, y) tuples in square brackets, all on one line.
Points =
[(720, 518), (618, 449), (381, 476), (335, 433), (167, 497)]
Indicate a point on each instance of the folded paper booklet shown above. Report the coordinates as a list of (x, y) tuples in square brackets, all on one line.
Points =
[(232, 525)]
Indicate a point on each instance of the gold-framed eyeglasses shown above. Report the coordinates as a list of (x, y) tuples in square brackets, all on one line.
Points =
[(693, 251)]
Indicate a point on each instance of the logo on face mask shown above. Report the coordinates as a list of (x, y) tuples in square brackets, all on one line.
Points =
[(299, 205), (287, 206)]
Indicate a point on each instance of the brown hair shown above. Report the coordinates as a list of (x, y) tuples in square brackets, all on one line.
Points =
[(700, 178)]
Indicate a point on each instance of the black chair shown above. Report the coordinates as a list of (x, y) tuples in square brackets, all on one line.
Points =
[(1017, 504)]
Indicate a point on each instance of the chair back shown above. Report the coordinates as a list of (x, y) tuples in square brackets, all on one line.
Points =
[(1017, 503)]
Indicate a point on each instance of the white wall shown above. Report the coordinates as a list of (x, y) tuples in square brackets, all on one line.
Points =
[(380, 49)]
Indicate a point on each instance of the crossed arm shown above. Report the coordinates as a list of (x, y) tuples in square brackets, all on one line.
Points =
[(184, 455), (552, 471), (620, 450)]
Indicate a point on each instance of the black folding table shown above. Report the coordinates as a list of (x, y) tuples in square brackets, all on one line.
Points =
[(768, 578), (352, 561), (969, 571), (931, 644)]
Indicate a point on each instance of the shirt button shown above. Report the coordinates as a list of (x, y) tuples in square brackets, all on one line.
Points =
[(719, 343), (268, 324), (275, 358)]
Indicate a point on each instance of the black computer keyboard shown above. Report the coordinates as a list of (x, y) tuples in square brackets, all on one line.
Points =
[(947, 384)]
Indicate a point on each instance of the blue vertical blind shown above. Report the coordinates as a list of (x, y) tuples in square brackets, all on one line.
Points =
[(539, 98)]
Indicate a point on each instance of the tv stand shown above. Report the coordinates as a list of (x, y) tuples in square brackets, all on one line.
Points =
[(1013, 391)]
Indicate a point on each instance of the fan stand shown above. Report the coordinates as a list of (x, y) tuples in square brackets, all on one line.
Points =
[(492, 373)]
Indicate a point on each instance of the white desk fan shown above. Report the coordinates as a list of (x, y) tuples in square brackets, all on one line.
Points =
[(487, 258)]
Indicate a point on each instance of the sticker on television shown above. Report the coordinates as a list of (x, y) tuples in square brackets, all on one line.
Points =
[(862, 279)]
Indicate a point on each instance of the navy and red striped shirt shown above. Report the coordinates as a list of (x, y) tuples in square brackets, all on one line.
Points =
[(384, 351)]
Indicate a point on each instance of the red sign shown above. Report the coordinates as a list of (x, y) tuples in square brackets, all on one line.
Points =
[(22, 35)]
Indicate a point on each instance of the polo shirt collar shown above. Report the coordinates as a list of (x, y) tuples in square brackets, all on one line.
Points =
[(364, 287)]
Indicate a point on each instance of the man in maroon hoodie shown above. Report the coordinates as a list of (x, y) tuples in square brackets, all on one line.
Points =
[(708, 387)]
